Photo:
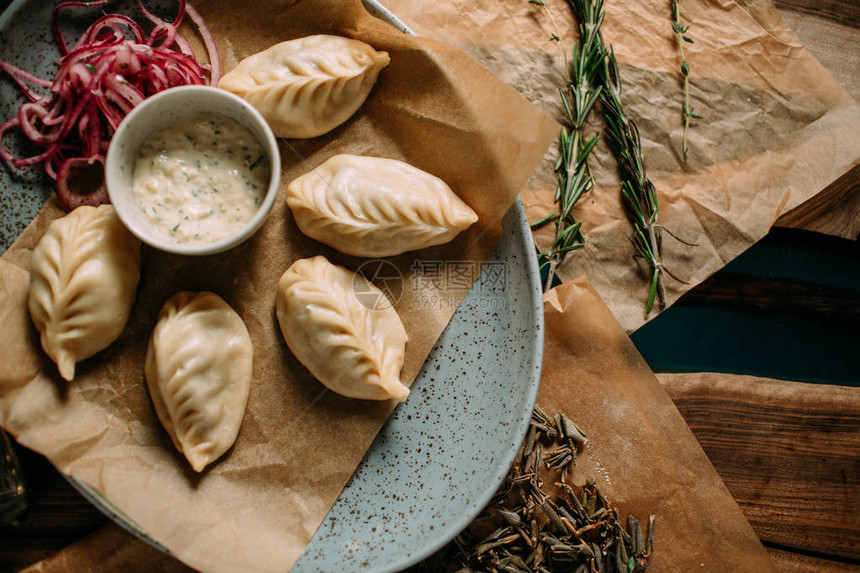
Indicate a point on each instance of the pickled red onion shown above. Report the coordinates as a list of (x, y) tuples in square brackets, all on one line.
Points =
[(111, 68)]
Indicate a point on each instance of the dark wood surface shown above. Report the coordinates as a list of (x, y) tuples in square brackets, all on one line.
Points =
[(56, 517), (766, 296), (788, 451), (836, 210), (845, 12)]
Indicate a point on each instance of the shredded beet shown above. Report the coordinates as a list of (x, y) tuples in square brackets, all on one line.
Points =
[(111, 68)]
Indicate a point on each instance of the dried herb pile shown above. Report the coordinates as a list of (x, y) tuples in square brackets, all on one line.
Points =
[(539, 523)]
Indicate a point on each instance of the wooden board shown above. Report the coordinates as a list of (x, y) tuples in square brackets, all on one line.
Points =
[(830, 29), (790, 562), (834, 211), (788, 451)]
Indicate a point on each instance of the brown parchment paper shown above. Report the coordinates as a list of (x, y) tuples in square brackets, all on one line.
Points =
[(109, 549), (777, 128), (641, 452), (256, 509)]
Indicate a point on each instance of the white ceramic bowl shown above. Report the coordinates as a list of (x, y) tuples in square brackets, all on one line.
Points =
[(159, 111)]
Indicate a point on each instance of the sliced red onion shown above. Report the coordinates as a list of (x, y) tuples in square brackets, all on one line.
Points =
[(17, 75), (55, 17), (71, 199), (5, 155), (111, 68), (209, 41)]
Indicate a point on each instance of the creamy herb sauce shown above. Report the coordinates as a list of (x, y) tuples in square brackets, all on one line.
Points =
[(201, 178)]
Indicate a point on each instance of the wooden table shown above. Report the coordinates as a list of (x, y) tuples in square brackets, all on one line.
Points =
[(788, 451)]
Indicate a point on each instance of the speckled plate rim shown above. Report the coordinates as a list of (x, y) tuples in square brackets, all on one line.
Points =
[(522, 233), (455, 526), (523, 236), (495, 480)]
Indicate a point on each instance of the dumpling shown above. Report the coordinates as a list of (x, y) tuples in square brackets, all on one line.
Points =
[(198, 370), (83, 283), (355, 347), (376, 207), (309, 86)]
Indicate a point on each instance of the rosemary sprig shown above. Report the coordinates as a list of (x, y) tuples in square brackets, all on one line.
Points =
[(681, 29), (638, 194), (578, 96)]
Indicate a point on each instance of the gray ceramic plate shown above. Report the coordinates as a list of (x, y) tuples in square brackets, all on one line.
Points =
[(444, 452)]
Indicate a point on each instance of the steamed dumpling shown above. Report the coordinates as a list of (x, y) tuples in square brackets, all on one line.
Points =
[(355, 347), (376, 207), (83, 282), (198, 369), (309, 86)]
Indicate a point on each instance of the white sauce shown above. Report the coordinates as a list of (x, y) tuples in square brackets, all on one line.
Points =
[(200, 179)]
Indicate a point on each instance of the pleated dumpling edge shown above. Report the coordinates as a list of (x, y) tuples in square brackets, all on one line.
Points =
[(83, 283), (376, 207), (354, 346), (198, 369), (308, 86)]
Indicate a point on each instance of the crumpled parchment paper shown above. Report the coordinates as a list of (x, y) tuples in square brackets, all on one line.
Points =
[(776, 129), (256, 508), (642, 454)]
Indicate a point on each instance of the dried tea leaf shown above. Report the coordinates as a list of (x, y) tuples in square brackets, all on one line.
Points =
[(567, 530)]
